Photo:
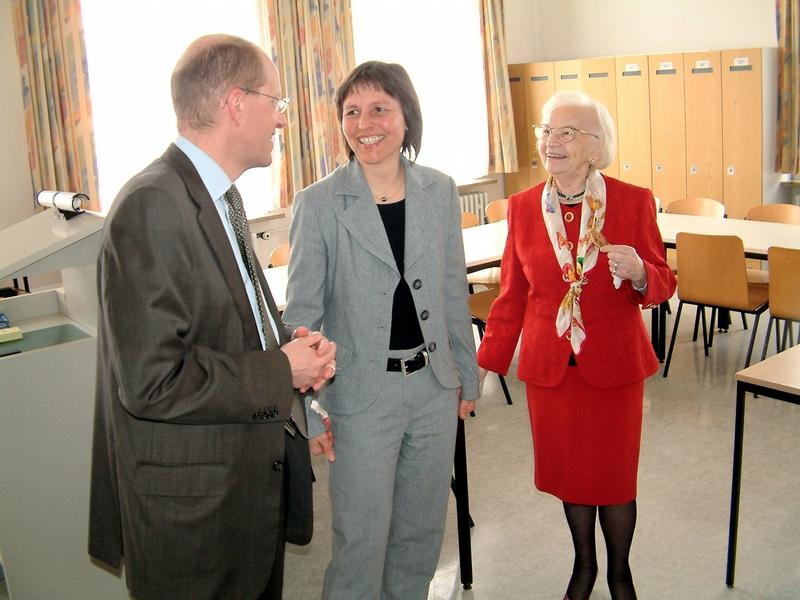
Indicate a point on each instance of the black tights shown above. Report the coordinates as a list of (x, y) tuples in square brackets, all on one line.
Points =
[(617, 522)]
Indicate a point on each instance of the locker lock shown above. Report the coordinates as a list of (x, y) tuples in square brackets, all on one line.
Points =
[(693, 170), (731, 170), (626, 166), (534, 164), (659, 167)]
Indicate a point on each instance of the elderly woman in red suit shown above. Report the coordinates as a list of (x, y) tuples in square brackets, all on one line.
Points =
[(583, 255)]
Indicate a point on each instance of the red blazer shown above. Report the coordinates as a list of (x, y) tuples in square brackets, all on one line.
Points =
[(617, 348)]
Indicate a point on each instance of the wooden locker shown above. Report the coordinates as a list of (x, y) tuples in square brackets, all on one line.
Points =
[(598, 81), (667, 126), (741, 130), (567, 74), (633, 120), (702, 81), (519, 180), (539, 86)]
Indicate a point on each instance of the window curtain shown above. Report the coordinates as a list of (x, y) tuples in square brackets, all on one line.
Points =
[(502, 143), (312, 43), (55, 90), (787, 158)]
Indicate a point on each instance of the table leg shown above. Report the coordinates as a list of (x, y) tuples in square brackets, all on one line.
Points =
[(736, 484), (464, 520)]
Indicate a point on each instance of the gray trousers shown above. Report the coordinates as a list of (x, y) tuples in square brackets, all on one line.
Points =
[(389, 489)]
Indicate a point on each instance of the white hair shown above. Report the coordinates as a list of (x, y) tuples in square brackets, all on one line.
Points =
[(608, 132)]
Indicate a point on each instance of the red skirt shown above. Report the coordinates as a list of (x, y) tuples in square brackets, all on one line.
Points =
[(586, 440)]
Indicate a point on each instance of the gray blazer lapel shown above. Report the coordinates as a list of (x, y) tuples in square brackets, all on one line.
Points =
[(209, 221), (360, 216), (420, 213)]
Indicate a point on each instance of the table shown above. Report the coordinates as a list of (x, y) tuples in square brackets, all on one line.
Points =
[(777, 377), (483, 248), (756, 236)]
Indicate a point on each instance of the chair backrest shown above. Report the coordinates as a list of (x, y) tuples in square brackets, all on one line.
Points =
[(712, 270), (784, 283), (497, 210), (775, 213), (280, 255), (468, 219), (698, 206)]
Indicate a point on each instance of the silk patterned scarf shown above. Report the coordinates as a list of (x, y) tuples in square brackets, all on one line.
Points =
[(573, 272)]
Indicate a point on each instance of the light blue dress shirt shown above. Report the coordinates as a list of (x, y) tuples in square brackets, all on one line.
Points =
[(217, 183)]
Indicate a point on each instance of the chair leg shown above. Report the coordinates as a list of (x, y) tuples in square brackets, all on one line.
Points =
[(672, 339), (505, 389), (744, 320), (766, 339), (697, 321), (752, 340), (709, 338)]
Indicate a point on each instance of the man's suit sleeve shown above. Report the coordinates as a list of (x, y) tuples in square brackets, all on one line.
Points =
[(176, 344)]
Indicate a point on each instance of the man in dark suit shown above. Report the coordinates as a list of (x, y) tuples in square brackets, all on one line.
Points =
[(199, 474)]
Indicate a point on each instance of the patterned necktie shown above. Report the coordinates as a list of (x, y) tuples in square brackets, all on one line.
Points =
[(242, 231)]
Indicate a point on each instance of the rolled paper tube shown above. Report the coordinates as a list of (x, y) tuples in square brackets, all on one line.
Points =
[(69, 201)]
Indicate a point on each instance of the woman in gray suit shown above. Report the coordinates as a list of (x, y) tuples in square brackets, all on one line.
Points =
[(378, 263)]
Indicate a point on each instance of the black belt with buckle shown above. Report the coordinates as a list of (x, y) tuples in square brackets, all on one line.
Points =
[(407, 366)]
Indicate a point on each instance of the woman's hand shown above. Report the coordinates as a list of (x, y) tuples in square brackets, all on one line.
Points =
[(625, 263)]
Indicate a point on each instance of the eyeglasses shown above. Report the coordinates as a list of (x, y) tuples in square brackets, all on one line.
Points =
[(563, 134), (281, 104)]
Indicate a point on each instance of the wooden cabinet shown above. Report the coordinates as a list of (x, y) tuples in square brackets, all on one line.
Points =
[(597, 80), (667, 127), (633, 119), (567, 75), (539, 86), (688, 124), (701, 75), (518, 180), (741, 130)]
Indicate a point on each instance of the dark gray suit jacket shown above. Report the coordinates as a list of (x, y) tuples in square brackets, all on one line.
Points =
[(189, 446)]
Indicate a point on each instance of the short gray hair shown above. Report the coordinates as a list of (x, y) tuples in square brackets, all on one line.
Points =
[(608, 131), (210, 67)]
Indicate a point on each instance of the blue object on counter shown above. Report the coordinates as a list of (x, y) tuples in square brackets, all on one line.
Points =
[(3, 325)]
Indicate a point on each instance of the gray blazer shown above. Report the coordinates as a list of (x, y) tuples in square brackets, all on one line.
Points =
[(342, 277), (189, 447)]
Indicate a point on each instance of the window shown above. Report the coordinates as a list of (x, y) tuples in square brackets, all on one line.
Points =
[(440, 45), (132, 48)]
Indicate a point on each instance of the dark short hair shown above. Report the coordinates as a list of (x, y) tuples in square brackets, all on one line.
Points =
[(210, 67), (394, 80)]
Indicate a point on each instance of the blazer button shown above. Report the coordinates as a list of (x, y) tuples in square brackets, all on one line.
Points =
[(424, 315), (432, 347), (417, 284), (277, 465), (258, 415)]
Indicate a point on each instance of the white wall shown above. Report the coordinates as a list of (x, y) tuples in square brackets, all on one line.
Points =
[(542, 30), (16, 195)]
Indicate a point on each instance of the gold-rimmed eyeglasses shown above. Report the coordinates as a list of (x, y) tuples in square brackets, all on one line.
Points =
[(281, 104), (563, 134)]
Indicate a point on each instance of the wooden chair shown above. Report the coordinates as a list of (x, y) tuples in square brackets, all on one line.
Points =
[(280, 255), (712, 273), (699, 207), (784, 296), (469, 219), (479, 306), (775, 213), (496, 211), (772, 213)]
